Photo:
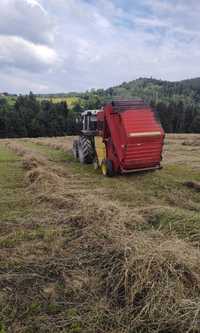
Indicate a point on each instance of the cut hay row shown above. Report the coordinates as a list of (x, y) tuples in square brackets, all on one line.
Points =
[(110, 271), (38, 175), (56, 143)]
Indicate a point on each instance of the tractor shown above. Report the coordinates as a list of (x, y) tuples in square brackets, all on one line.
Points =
[(122, 137)]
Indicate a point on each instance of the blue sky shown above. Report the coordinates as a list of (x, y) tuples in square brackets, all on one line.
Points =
[(74, 45)]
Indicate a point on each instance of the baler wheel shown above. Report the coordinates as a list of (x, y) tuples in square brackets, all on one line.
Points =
[(85, 150), (107, 168)]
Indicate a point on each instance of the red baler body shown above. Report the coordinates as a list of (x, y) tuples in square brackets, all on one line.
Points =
[(132, 135)]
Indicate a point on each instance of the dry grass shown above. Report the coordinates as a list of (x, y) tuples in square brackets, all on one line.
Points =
[(103, 255), (154, 284), (31, 161), (38, 171), (182, 149), (56, 142), (195, 142)]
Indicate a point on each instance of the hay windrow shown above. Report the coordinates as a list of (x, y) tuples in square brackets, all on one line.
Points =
[(154, 283), (39, 175), (56, 143), (31, 161)]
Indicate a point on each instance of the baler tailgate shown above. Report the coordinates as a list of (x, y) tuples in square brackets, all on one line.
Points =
[(133, 136), (142, 153)]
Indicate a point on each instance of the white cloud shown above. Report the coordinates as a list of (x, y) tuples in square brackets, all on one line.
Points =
[(35, 3), (20, 53), (20, 79), (27, 19), (150, 22), (102, 55), (75, 45)]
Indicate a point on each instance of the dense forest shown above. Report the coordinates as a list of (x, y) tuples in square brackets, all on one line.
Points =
[(30, 118), (177, 104)]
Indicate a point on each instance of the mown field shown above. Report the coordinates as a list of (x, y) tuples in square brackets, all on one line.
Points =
[(84, 253)]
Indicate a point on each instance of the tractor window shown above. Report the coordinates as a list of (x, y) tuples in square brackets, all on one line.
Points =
[(93, 124)]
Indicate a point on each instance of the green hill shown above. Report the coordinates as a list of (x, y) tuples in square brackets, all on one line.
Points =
[(152, 90), (176, 103), (157, 90)]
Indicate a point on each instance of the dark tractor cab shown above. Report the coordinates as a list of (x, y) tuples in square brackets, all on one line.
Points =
[(83, 147), (89, 122)]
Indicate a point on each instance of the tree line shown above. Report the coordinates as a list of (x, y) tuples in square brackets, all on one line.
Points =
[(177, 106), (178, 117), (30, 118)]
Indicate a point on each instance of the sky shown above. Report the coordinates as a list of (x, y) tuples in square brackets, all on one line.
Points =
[(50, 46)]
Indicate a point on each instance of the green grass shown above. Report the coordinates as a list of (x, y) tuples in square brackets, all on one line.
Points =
[(53, 155), (173, 220), (42, 233), (14, 203)]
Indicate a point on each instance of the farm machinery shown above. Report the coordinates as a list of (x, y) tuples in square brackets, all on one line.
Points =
[(122, 137)]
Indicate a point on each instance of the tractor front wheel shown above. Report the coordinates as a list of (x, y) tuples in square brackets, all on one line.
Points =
[(107, 168)]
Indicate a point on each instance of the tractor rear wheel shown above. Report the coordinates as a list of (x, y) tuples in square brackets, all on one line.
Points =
[(75, 149), (107, 168), (85, 150)]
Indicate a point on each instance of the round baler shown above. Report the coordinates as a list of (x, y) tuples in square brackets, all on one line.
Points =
[(124, 136)]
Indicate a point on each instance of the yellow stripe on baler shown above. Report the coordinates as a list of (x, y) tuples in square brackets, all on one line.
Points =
[(138, 134)]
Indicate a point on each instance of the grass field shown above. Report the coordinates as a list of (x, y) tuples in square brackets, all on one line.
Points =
[(84, 253), (11, 100), (69, 100)]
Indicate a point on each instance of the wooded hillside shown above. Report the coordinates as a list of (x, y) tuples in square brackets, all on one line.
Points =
[(177, 104)]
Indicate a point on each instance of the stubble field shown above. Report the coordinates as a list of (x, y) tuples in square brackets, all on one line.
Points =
[(84, 253)]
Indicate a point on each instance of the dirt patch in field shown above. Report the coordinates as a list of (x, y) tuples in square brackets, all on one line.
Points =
[(194, 185)]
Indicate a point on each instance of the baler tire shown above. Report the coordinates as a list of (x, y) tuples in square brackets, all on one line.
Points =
[(85, 150), (75, 149), (107, 168)]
